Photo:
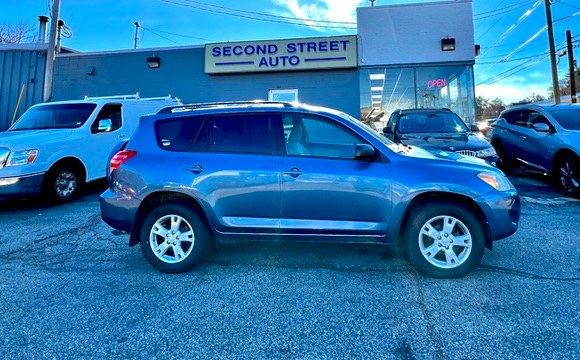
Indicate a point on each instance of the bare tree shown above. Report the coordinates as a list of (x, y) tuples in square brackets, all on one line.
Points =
[(16, 32)]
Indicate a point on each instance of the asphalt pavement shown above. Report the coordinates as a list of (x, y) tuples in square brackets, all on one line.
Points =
[(72, 289)]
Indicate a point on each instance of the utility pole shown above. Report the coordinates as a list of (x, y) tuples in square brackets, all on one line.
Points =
[(555, 82), (571, 67), (136, 34), (50, 53)]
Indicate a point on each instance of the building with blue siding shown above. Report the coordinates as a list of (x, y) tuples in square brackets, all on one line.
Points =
[(403, 56)]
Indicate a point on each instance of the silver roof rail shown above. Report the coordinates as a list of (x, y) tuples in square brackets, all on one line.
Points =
[(188, 107)]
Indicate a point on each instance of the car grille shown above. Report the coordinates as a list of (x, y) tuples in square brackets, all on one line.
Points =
[(466, 152)]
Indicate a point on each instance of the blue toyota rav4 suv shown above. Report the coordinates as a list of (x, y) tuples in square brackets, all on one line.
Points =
[(199, 173)]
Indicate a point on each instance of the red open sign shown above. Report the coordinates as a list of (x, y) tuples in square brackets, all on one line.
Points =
[(436, 83)]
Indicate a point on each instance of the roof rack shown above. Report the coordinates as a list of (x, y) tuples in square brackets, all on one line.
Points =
[(187, 107), (135, 96)]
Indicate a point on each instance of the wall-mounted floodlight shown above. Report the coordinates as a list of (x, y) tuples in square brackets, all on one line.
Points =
[(448, 44), (153, 62)]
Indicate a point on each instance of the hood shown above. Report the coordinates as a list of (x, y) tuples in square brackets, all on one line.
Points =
[(445, 141), (434, 154), (31, 139)]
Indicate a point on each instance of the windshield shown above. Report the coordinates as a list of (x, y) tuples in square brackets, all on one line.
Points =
[(568, 118), (429, 122), (54, 116), (368, 130)]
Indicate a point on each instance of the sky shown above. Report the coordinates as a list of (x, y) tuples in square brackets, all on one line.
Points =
[(513, 63)]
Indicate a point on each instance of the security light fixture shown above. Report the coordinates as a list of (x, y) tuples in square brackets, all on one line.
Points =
[(153, 62), (477, 49), (448, 44)]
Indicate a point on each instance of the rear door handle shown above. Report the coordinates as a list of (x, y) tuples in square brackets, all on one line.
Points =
[(196, 169), (523, 137), (294, 172)]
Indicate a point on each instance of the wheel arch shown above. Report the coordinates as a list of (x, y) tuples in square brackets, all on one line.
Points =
[(69, 161), (448, 198), (560, 154), (163, 197)]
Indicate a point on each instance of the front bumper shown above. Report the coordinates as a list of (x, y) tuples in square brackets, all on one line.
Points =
[(502, 210), (21, 185)]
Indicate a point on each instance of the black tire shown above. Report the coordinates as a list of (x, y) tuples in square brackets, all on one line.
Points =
[(465, 239), (504, 163), (63, 184), (178, 251), (567, 174)]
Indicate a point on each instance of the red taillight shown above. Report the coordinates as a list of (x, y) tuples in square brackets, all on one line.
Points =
[(120, 158)]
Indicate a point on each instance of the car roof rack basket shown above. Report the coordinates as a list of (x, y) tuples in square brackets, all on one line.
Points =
[(189, 107)]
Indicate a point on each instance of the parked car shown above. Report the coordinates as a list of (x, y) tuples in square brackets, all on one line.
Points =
[(55, 148), (438, 129), (485, 125), (196, 174), (543, 137)]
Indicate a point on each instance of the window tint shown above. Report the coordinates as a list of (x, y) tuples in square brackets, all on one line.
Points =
[(111, 112), (537, 118), (240, 133), (518, 118), (314, 136), (177, 134), (54, 116), (568, 118)]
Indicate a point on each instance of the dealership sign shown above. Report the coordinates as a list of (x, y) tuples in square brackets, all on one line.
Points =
[(281, 55)]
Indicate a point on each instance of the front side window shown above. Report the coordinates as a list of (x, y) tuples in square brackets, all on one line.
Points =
[(568, 119), (111, 112), (517, 118), (237, 133), (308, 135), (54, 116)]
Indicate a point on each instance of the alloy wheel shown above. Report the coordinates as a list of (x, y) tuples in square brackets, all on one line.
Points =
[(445, 242), (171, 239)]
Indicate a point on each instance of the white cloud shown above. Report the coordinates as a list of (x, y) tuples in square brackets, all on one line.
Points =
[(511, 92), (325, 10)]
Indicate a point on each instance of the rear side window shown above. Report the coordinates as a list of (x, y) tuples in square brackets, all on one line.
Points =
[(237, 133), (568, 118), (177, 134)]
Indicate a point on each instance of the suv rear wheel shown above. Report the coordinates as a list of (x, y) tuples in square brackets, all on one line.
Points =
[(444, 240), (173, 238), (567, 174)]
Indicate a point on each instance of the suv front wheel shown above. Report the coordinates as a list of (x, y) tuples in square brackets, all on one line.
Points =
[(173, 238), (568, 175), (444, 240)]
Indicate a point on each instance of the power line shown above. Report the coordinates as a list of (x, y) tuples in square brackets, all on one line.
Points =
[(505, 10), (259, 19), (570, 5), (176, 34), (269, 15)]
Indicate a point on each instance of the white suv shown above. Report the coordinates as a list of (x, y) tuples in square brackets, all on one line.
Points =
[(55, 148)]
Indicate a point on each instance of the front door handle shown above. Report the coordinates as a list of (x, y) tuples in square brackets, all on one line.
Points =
[(523, 137), (294, 172), (196, 169)]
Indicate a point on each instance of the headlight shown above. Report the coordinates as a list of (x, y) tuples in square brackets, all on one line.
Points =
[(22, 157), (497, 181), (3, 156), (490, 151)]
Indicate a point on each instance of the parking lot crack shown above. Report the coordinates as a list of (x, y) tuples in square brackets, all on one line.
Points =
[(524, 274)]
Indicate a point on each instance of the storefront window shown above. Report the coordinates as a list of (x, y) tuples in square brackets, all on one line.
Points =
[(383, 90)]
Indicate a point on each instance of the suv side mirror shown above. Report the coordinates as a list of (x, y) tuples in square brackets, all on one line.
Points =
[(474, 128), (364, 151), (542, 128), (388, 131), (105, 125)]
